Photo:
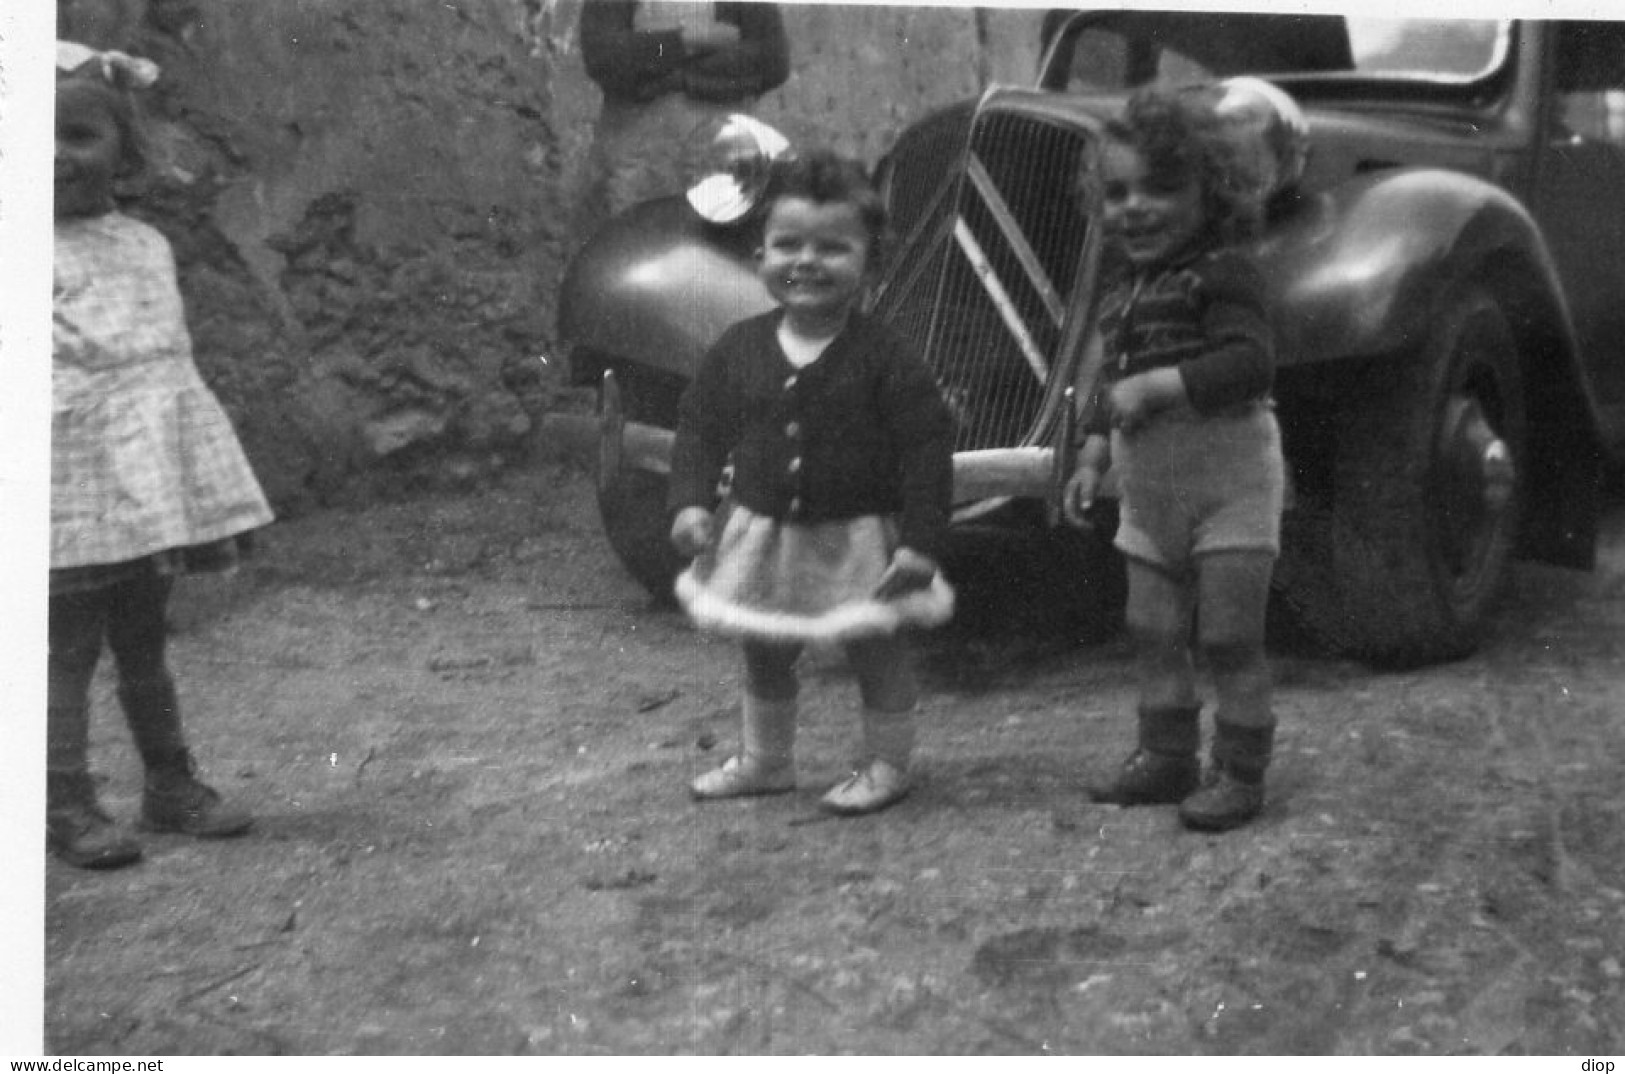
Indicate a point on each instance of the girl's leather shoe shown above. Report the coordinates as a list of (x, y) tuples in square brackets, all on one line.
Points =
[(739, 778), (872, 789)]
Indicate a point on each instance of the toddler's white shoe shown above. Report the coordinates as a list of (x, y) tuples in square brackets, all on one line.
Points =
[(738, 778), (872, 789)]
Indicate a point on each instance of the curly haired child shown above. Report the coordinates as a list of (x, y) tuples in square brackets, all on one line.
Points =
[(147, 477), (1184, 416), (841, 448)]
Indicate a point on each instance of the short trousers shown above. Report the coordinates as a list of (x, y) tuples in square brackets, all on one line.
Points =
[(1193, 484)]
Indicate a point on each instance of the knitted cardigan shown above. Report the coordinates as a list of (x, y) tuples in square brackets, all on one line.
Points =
[(863, 430), (1203, 313)]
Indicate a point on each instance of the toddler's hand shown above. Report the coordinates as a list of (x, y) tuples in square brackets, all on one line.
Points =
[(1136, 400), (1133, 402), (1079, 496), (691, 531), (908, 571)]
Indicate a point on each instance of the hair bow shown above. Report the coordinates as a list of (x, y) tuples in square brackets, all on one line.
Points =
[(118, 69)]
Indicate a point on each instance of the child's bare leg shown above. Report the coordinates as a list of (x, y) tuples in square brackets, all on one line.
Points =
[(1159, 620), (1163, 768), (886, 681), (765, 762), (1234, 591), (890, 690), (1234, 594)]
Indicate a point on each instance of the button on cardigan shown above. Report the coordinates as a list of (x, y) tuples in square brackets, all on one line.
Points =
[(861, 431)]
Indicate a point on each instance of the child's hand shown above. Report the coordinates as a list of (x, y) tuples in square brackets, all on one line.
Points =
[(1094, 458), (908, 571), (1079, 496), (1136, 400), (691, 531), (1132, 402)]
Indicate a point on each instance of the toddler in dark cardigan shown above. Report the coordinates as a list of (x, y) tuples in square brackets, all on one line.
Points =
[(841, 447)]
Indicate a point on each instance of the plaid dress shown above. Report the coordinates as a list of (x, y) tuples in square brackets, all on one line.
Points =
[(143, 459)]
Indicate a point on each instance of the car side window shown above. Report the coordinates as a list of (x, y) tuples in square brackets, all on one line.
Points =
[(1105, 60), (1591, 80)]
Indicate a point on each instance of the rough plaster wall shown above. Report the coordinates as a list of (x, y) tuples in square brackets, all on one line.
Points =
[(859, 73), (863, 73), (365, 197), (360, 193)]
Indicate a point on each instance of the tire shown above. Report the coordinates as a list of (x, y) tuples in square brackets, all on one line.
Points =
[(1402, 565), (632, 503)]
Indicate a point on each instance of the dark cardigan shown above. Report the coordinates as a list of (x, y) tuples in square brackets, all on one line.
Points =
[(1204, 314), (862, 431), (632, 65)]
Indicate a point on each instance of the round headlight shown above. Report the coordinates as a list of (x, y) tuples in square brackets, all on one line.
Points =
[(735, 164), (1269, 130)]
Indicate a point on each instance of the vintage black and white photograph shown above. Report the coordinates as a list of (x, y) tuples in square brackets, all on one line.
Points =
[(664, 528)]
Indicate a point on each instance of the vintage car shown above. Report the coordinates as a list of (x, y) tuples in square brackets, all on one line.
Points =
[(1446, 254)]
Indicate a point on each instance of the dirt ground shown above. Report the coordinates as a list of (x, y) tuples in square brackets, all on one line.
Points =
[(466, 735)]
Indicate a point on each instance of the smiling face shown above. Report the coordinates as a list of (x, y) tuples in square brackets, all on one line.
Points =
[(813, 260), (89, 151), (1151, 216)]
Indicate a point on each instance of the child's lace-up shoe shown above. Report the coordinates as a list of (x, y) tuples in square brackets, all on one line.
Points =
[(1233, 792), (175, 800), (78, 830), (867, 791), (1226, 800), (1163, 769), (1148, 778), (742, 777)]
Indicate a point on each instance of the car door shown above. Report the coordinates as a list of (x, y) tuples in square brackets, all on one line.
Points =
[(1580, 196)]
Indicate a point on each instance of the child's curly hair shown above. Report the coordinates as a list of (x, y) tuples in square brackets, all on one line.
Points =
[(823, 176), (1181, 136)]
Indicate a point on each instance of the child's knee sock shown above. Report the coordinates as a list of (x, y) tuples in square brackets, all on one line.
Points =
[(67, 737), (889, 735), (1244, 725), (768, 730), (1170, 730), (1243, 751)]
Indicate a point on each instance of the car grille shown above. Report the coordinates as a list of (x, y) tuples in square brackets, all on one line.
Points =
[(993, 248)]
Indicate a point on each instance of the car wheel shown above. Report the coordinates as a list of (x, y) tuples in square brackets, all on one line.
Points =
[(1403, 563), (632, 502)]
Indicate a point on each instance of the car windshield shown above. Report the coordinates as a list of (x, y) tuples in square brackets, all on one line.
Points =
[(1103, 52)]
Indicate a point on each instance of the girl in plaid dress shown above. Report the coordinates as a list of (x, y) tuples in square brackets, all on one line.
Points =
[(147, 478)]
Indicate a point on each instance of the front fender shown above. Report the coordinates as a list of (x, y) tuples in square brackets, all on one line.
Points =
[(657, 285), (1358, 270)]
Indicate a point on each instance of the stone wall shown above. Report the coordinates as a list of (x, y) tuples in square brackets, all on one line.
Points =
[(368, 200)]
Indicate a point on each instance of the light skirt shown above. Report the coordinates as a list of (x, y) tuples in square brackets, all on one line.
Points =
[(795, 582)]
